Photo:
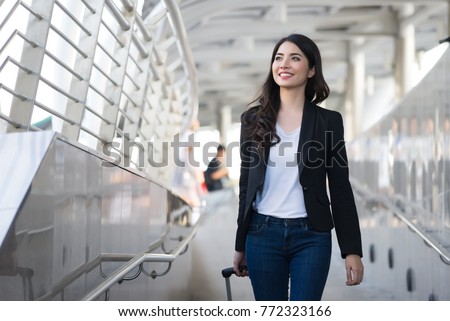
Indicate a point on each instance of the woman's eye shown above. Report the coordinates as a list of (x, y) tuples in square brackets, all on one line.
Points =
[(278, 58), (296, 58)]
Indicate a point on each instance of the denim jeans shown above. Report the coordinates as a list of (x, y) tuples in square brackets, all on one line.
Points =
[(279, 250)]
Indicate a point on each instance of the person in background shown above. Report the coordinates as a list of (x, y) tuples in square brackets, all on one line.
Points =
[(290, 148), (216, 174)]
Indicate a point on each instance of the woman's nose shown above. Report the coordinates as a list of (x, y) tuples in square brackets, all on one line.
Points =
[(284, 64)]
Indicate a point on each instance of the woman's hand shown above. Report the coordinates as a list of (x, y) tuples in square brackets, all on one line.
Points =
[(354, 268), (240, 261)]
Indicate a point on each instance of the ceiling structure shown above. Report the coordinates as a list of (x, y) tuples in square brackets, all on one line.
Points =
[(232, 41)]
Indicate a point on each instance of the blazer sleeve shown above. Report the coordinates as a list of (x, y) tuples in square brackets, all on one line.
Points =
[(343, 205), (244, 146)]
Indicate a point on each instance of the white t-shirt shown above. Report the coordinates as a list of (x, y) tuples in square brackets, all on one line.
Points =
[(282, 194)]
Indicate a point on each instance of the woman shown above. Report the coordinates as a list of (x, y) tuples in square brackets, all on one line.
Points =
[(290, 148)]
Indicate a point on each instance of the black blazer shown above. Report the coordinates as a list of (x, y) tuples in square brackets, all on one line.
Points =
[(321, 155)]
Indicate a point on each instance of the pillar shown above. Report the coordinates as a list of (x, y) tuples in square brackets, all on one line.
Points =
[(356, 88), (406, 48), (224, 123)]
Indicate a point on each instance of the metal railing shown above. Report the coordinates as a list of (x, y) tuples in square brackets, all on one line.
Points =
[(134, 261), (161, 223), (403, 161), (102, 74), (392, 205)]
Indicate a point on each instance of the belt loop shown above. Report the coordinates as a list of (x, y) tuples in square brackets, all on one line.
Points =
[(267, 219)]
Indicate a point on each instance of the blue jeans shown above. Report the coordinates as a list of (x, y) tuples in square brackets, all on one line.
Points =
[(281, 249)]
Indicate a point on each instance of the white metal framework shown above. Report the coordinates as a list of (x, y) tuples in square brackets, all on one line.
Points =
[(99, 74)]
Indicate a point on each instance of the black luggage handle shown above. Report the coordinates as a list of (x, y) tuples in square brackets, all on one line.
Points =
[(226, 273)]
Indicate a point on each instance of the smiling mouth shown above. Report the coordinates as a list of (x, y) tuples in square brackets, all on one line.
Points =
[(284, 74)]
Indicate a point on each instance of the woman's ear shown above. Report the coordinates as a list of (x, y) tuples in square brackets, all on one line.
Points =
[(312, 72)]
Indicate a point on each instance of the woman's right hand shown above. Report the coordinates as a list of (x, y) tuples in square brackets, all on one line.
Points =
[(240, 261)]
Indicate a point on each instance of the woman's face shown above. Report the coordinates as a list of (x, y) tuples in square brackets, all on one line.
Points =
[(290, 68)]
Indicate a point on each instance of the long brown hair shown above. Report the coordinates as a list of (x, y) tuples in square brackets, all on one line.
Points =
[(262, 120)]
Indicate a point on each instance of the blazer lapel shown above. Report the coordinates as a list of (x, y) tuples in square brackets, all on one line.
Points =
[(306, 134)]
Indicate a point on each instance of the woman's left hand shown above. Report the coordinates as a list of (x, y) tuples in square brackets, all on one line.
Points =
[(240, 261), (354, 268)]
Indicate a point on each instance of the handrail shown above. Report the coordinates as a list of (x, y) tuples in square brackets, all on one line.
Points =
[(437, 247), (443, 253), (89, 266), (119, 257), (138, 260)]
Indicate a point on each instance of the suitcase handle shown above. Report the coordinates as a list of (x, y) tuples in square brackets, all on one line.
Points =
[(226, 273)]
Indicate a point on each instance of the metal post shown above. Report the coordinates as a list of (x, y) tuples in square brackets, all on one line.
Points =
[(448, 18), (33, 58), (225, 123), (177, 22), (114, 93), (83, 65), (227, 285), (359, 91), (407, 49)]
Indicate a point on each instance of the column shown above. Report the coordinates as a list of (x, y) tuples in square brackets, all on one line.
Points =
[(406, 48), (448, 18), (224, 122), (356, 88)]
